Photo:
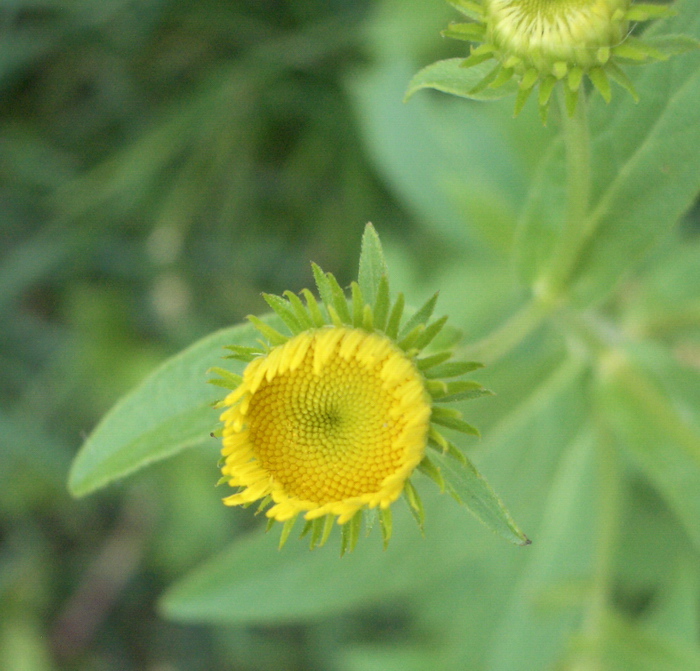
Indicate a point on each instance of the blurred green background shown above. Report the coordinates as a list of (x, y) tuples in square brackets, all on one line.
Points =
[(162, 163)]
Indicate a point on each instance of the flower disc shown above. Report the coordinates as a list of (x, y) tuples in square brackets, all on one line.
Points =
[(545, 32), (331, 421)]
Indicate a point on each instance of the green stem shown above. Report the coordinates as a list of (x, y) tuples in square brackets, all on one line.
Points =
[(577, 141)]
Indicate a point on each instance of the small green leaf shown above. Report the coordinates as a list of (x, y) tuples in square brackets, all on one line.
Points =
[(468, 486), (449, 76), (372, 265)]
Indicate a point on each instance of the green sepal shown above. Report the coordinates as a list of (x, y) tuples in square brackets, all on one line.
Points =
[(449, 369), (221, 481), (647, 12), (340, 303), (504, 76), (323, 285), (520, 100), (546, 87), (486, 81), (429, 469), (392, 327), (372, 265), (421, 316), (284, 310), (335, 317), (428, 363), (415, 505), (575, 78), (358, 304), (638, 50), (300, 311), (429, 333), (410, 340), (313, 308), (241, 353), (467, 32), (264, 503), (368, 319), (386, 524), (308, 526), (601, 82), (452, 419), (477, 57), (382, 303), (320, 531), (228, 379), (270, 524), (273, 335), (437, 441), (470, 9), (217, 433), (286, 530), (457, 454), (350, 533), (672, 45), (461, 390), (571, 100), (619, 77)]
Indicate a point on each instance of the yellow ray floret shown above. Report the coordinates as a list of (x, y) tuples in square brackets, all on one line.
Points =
[(332, 421)]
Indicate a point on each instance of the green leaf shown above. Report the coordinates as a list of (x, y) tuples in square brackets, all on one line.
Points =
[(372, 265), (658, 438), (253, 582), (470, 488), (168, 412), (449, 76)]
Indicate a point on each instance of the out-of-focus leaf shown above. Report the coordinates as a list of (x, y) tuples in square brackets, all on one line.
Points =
[(659, 439), (534, 629), (630, 646), (169, 411), (253, 581), (470, 487), (449, 76)]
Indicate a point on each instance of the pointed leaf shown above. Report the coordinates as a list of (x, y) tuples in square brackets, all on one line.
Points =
[(469, 487)]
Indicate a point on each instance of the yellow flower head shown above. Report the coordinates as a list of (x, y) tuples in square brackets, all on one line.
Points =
[(333, 419), (550, 41)]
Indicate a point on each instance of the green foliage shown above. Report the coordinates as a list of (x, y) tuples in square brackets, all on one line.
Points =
[(165, 165)]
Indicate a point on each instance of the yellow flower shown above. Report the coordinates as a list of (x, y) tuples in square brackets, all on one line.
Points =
[(546, 42), (333, 420)]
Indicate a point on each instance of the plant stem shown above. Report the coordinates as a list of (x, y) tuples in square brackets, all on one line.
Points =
[(575, 233)]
